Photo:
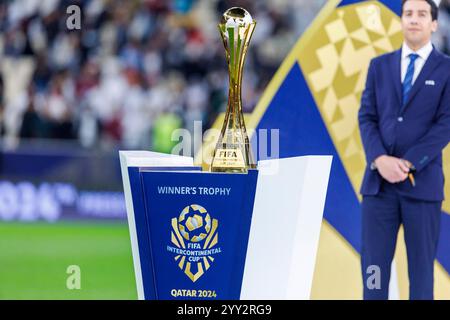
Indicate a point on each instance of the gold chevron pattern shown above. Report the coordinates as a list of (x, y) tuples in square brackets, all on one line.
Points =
[(335, 66)]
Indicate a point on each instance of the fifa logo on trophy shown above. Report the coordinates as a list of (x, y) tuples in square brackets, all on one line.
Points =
[(233, 151)]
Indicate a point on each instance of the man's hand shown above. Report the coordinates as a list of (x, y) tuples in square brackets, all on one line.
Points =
[(392, 169)]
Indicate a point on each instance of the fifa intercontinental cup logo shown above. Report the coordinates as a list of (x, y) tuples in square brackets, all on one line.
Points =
[(194, 234), (233, 152)]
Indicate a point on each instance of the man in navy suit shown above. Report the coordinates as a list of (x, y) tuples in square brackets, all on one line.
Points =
[(404, 122)]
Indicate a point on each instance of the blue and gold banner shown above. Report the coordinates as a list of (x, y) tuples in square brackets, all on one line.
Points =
[(193, 241)]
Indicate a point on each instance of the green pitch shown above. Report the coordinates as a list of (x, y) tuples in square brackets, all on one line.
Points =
[(34, 259)]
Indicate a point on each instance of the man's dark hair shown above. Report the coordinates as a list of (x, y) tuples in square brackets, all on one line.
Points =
[(434, 8)]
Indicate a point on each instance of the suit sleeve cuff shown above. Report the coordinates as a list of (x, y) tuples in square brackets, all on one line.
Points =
[(374, 156)]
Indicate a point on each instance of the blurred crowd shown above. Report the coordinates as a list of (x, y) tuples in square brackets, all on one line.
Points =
[(135, 69)]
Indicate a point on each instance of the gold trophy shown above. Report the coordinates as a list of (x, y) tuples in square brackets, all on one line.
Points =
[(233, 151)]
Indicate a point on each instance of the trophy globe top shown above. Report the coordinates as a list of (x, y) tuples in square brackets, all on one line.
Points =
[(236, 17)]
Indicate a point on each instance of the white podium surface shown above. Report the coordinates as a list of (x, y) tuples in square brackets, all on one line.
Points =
[(285, 228)]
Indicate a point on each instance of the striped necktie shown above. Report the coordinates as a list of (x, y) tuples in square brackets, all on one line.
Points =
[(407, 83)]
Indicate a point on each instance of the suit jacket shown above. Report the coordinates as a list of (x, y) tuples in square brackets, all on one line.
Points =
[(417, 132)]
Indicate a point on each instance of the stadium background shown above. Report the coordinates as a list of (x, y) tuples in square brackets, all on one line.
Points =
[(137, 70)]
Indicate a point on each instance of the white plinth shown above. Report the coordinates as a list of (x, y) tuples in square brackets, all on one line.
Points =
[(285, 229)]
